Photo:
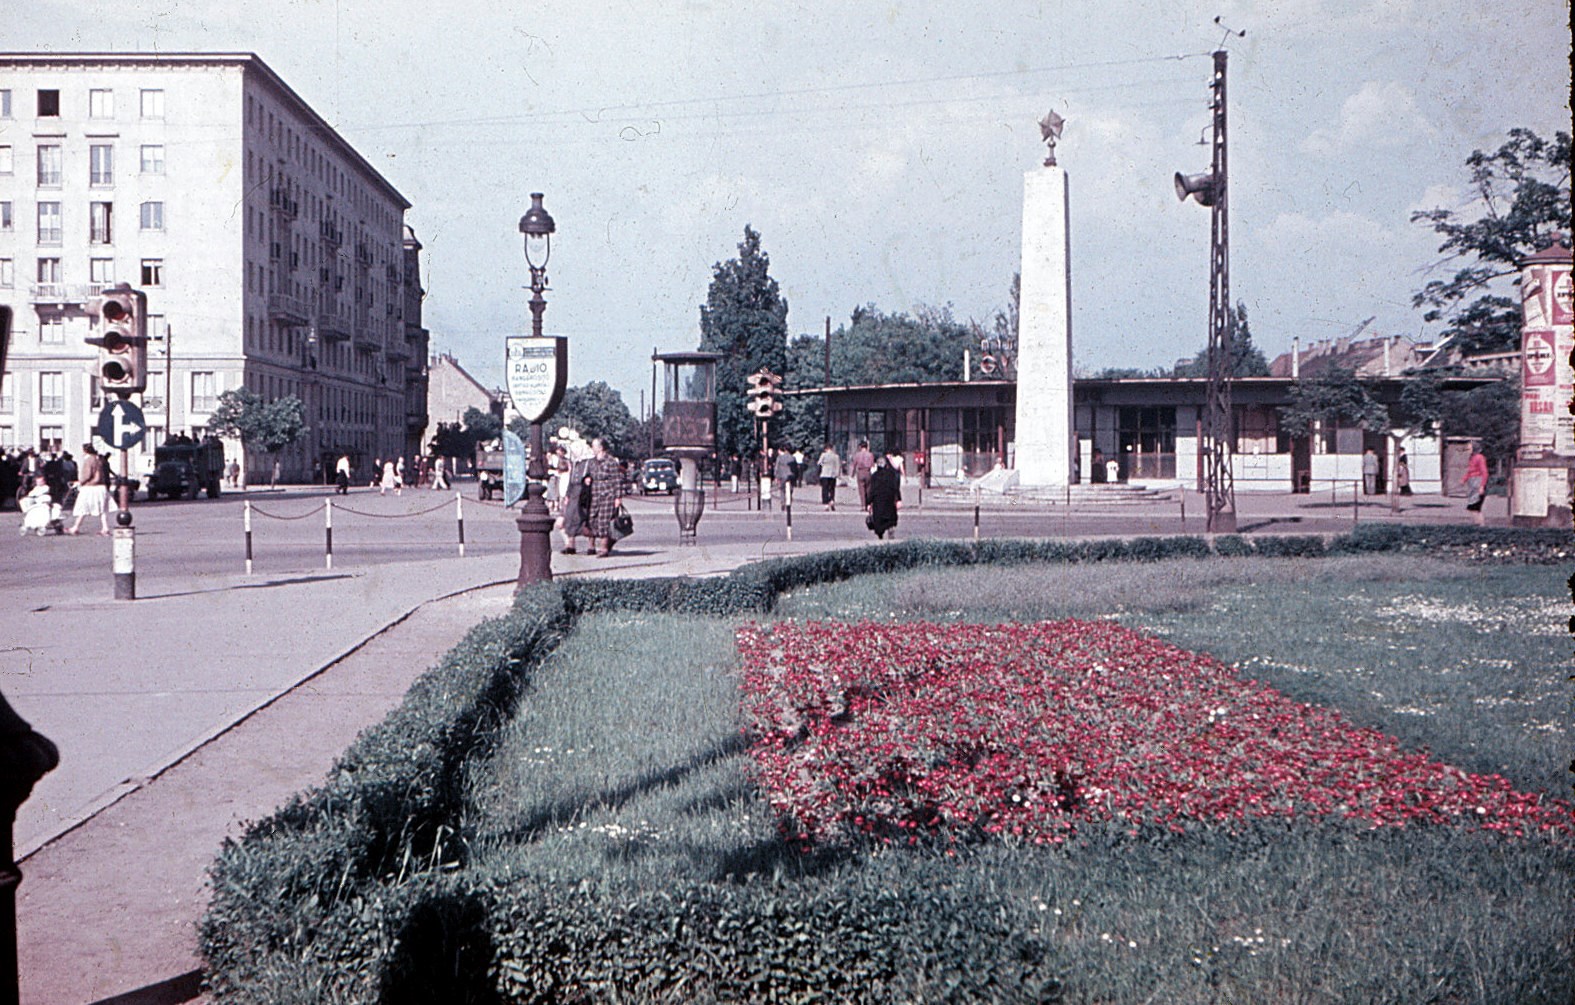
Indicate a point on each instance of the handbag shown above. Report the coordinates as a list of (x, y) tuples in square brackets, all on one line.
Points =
[(622, 524)]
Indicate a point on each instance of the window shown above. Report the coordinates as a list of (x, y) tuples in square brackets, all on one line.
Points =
[(52, 331), (152, 103), (156, 326), (153, 158), (48, 104), (52, 393), (153, 397), (7, 274), (153, 272), (5, 103), (48, 270), (6, 221), (100, 217), (95, 392), (49, 165), (51, 438), (7, 401), (7, 160), (101, 271), (49, 223), (153, 216), (101, 158), (204, 391), (101, 103)]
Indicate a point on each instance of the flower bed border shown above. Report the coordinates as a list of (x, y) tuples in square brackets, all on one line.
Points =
[(334, 895)]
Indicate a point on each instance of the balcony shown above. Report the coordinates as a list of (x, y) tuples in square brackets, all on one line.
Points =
[(64, 293), (397, 352), (333, 325), (287, 207), (330, 233), (290, 310)]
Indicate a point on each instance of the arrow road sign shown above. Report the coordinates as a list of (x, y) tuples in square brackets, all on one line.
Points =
[(121, 425)]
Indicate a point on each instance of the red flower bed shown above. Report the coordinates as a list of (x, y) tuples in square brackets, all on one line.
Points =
[(897, 730)]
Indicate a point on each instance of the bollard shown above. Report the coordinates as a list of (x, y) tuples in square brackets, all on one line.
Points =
[(459, 514), (1183, 507), (787, 507), (976, 521), (246, 518), (328, 531), (124, 561), (27, 756), (1356, 500)]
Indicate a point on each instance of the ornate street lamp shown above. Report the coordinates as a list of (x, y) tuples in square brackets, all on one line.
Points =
[(534, 521)]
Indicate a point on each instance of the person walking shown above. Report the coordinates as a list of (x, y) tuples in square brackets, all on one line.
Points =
[(1369, 472), (606, 478), (830, 468), (863, 465), (399, 476), (92, 492), (390, 479), (782, 474), (1403, 473), (1475, 481), (885, 498), (342, 475), (439, 472)]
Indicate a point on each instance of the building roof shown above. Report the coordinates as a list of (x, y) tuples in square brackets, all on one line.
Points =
[(248, 62)]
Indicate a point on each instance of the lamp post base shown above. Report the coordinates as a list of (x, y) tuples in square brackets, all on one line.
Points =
[(535, 526)]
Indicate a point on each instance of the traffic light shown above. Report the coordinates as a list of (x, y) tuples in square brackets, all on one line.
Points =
[(764, 396), (120, 330)]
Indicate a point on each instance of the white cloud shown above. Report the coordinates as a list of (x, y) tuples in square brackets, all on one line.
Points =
[(1381, 114)]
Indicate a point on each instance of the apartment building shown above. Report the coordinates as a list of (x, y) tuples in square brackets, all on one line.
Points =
[(274, 257)]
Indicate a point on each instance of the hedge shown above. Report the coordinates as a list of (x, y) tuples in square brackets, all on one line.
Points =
[(341, 893)]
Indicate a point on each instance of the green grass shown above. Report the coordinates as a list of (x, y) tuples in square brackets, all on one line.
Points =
[(622, 774)]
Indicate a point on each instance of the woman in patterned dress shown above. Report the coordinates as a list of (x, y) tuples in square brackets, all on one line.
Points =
[(606, 493)]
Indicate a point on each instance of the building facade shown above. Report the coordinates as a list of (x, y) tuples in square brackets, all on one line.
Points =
[(1150, 426), (273, 256), (452, 391)]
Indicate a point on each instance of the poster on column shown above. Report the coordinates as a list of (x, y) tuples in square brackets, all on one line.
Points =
[(1539, 381)]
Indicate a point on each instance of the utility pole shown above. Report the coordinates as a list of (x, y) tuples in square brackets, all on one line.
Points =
[(1220, 487)]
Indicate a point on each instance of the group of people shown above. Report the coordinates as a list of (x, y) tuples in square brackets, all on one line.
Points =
[(877, 476), (389, 474), (44, 486), (585, 487)]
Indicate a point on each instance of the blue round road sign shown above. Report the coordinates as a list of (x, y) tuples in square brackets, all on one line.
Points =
[(121, 425)]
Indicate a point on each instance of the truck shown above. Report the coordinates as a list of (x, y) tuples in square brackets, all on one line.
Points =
[(489, 473), (184, 469)]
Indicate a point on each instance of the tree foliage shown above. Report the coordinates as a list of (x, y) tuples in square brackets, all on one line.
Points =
[(269, 426), (1247, 360), (460, 439), (595, 409), (1491, 413), (1336, 396), (745, 319), (1523, 191)]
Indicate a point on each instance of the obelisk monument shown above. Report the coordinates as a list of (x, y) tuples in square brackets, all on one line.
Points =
[(1044, 326)]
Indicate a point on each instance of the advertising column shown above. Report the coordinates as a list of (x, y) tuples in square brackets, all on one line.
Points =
[(1541, 481)]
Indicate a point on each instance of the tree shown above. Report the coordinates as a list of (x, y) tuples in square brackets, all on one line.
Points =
[(460, 439), (1524, 191), (1335, 397), (269, 426), (595, 409), (1490, 413), (1247, 359), (745, 319)]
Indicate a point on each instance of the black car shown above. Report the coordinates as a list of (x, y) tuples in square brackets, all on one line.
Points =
[(658, 475)]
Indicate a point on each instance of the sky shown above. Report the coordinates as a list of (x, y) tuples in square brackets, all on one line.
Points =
[(880, 151)]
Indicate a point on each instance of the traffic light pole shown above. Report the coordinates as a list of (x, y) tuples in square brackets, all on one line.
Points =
[(124, 560)]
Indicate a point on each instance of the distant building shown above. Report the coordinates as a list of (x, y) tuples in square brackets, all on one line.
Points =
[(1151, 427), (273, 255), (451, 391)]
